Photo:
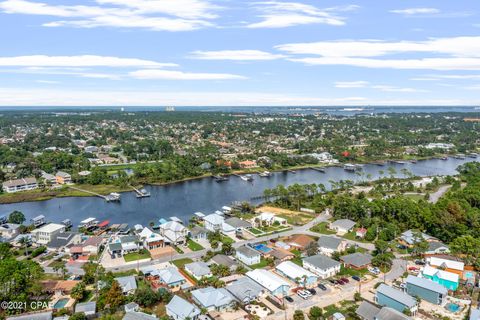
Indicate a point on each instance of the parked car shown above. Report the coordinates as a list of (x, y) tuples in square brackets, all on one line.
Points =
[(289, 299), (332, 281), (307, 293), (345, 280), (420, 262), (321, 286), (413, 268), (340, 282), (401, 247), (312, 291), (357, 278), (302, 295)]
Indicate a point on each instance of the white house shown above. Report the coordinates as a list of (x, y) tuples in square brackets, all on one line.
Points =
[(248, 255), (296, 273), (9, 230), (275, 284), (198, 270), (180, 309), (342, 226), (17, 185), (267, 218), (150, 239), (213, 222), (45, 234), (322, 265), (213, 299), (174, 232)]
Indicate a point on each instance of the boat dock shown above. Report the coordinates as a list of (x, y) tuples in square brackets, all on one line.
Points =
[(322, 170), (111, 197), (141, 193)]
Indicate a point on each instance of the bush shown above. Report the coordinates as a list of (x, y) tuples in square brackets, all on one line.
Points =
[(38, 251)]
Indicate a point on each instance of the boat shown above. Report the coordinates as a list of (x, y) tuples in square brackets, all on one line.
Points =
[(379, 163), (246, 177), (220, 178), (142, 193), (399, 161), (114, 196), (322, 170), (473, 155), (414, 161), (350, 167), (444, 158), (265, 174), (459, 156)]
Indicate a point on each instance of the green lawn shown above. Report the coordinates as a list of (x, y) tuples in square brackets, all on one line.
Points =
[(322, 228), (256, 231), (194, 246), (263, 263), (226, 239), (352, 272), (57, 264), (134, 256), (352, 236), (298, 261), (181, 262)]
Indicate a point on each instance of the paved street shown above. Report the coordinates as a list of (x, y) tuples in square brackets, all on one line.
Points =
[(438, 194)]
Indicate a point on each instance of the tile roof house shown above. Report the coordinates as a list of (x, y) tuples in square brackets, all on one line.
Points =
[(330, 244), (128, 284), (248, 255), (212, 298), (275, 285), (300, 241), (245, 290), (426, 289), (357, 260), (342, 226), (396, 299), (180, 309), (322, 265), (198, 270)]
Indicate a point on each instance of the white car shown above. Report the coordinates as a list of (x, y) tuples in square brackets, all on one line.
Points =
[(301, 294), (307, 293)]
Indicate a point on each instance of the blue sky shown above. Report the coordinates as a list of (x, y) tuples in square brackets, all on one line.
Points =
[(228, 52)]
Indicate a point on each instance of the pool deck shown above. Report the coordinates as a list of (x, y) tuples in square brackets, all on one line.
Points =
[(68, 305)]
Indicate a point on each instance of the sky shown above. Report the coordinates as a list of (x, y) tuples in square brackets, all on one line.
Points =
[(239, 53)]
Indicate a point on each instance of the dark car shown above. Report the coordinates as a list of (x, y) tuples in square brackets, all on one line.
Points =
[(312, 291), (321, 286), (357, 278), (332, 281), (289, 299), (345, 280), (340, 282), (419, 262)]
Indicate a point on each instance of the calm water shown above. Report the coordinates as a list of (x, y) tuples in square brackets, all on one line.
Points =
[(205, 195)]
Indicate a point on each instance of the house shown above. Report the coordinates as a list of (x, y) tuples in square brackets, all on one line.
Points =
[(128, 284), (330, 244), (213, 222), (342, 226), (361, 233), (198, 270), (123, 245), (267, 219), (198, 233), (337, 316), (297, 274), (17, 185), (49, 178), (150, 239), (38, 220), (248, 164), (245, 290), (410, 237), (63, 177), (474, 314), (237, 224), (387, 313), (223, 260), (322, 265), (426, 289), (356, 260), (132, 315), (300, 241), (58, 287), (446, 264), (367, 310), (64, 239), (47, 233), (387, 296), (174, 232), (281, 254), (9, 230), (247, 255), (39, 315), (88, 308), (92, 245), (274, 284), (170, 276), (447, 279), (437, 247), (180, 309), (131, 307), (212, 298)]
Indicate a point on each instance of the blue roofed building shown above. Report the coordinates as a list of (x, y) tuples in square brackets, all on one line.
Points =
[(389, 297), (180, 309), (426, 290), (212, 298)]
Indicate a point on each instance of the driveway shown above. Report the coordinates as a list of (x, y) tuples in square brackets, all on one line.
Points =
[(399, 267), (438, 194)]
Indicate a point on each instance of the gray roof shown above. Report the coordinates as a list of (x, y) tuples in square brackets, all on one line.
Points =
[(127, 283), (329, 242), (115, 246), (86, 307), (434, 245), (196, 230), (245, 289), (475, 314), (198, 269), (47, 315), (182, 308), (247, 251), (367, 311), (409, 236), (322, 261), (61, 240), (426, 284), (224, 260), (357, 259), (212, 297), (346, 224), (387, 313), (132, 315), (126, 239), (170, 275), (397, 295), (238, 223)]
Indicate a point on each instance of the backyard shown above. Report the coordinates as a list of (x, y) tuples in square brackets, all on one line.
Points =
[(134, 256)]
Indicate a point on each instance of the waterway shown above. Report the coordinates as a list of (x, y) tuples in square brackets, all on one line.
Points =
[(205, 195)]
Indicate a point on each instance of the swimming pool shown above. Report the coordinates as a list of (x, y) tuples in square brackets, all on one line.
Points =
[(60, 303), (452, 307), (469, 274), (262, 248)]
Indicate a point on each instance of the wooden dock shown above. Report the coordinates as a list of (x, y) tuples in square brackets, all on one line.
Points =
[(107, 198)]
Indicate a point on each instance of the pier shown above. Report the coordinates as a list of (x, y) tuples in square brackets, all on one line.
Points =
[(111, 197), (140, 193), (322, 170)]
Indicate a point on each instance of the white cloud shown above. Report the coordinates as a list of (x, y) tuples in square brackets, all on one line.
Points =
[(275, 14), (47, 81), (351, 84), (388, 88), (416, 11), (240, 55), (178, 15), (151, 74), (78, 61)]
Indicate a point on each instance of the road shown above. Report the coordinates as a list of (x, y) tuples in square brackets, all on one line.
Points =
[(438, 194)]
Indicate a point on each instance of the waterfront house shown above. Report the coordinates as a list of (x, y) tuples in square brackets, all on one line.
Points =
[(213, 222), (63, 239), (198, 270), (128, 284), (248, 255), (63, 177), (396, 299), (342, 226), (300, 241), (297, 274), (49, 178), (322, 265), (426, 289), (447, 279), (198, 233), (245, 290), (213, 299), (223, 260), (267, 219), (17, 185), (180, 309), (174, 232), (356, 260), (92, 245), (45, 234), (9, 230), (150, 239), (274, 284), (248, 164), (237, 224), (330, 244)]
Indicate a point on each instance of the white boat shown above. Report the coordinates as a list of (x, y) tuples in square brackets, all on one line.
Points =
[(265, 174), (350, 167), (246, 177)]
